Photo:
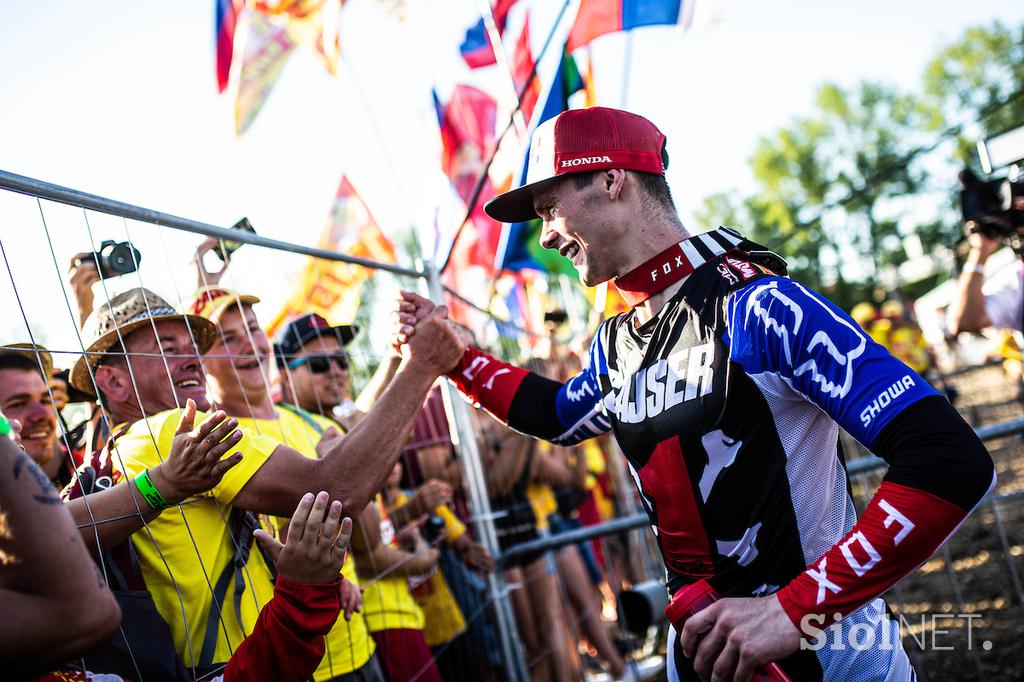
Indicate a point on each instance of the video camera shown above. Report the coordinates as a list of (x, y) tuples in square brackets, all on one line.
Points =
[(995, 206), (992, 205)]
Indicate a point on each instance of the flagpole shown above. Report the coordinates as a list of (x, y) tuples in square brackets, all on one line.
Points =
[(627, 67), (475, 196), (498, 49), (381, 140)]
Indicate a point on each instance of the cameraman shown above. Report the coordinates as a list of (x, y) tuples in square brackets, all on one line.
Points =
[(1001, 307)]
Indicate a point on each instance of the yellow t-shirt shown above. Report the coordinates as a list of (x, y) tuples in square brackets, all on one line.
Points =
[(349, 645), (186, 549), (907, 343), (387, 602), (596, 466), (442, 615), (543, 501), (879, 332), (443, 620)]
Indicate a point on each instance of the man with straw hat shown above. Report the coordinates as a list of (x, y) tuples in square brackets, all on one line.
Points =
[(143, 361), (191, 467)]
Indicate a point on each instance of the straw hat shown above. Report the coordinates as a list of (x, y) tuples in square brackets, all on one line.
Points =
[(34, 352), (213, 301), (123, 314)]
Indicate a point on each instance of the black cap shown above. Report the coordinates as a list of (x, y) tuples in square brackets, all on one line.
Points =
[(300, 331)]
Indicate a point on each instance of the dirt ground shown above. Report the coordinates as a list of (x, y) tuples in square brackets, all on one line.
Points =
[(973, 578), (961, 613)]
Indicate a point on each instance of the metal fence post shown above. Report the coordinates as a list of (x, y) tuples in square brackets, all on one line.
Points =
[(464, 439)]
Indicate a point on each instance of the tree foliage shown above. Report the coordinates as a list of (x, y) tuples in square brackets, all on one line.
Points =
[(838, 191), (981, 75)]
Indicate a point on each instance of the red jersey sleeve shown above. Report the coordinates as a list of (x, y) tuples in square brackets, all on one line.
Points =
[(288, 640)]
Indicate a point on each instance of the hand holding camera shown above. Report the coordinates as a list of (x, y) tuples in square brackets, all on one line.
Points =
[(112, 260), (993, 207), (982, 245)]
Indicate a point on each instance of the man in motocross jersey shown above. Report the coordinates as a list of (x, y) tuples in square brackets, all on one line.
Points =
[(725, 386)]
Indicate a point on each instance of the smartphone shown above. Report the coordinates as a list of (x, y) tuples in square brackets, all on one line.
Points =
[(557, 316), (228, 247)]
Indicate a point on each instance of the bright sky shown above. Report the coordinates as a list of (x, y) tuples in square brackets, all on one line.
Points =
[(120, 100)]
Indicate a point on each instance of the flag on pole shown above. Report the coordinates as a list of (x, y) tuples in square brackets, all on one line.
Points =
[(274, 31), (467, 124), (267, 48), (599, 17), (331, 288), (519, 247), (310, 22), (523, 68), (476, 48), (225, 19)]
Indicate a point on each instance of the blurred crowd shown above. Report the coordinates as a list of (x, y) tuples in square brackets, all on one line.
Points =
[(182, 493), (985, 310)]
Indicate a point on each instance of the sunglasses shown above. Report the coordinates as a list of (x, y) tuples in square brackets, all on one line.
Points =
[(320, 364)]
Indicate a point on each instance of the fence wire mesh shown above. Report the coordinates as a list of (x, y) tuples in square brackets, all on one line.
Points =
[(39, 257), (551, 614)]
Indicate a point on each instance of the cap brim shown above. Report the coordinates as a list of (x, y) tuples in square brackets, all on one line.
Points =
[(343, 332), (346, 332), (239, 300), (516, 206), (33, 352)]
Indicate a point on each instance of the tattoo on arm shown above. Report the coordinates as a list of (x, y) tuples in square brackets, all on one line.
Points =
[(48, 494)]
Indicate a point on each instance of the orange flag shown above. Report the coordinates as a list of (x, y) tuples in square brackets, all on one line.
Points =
[(275, 29), (330, 288)]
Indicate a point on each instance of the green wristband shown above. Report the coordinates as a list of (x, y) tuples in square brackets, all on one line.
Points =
[(153, 497), (5, 426)]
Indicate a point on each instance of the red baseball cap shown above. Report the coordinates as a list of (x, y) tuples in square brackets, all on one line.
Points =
[(580, 141)]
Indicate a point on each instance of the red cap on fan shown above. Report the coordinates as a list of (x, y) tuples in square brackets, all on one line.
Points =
[(580, 141)]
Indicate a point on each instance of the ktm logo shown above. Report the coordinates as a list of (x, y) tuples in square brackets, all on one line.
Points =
[(585, 160)]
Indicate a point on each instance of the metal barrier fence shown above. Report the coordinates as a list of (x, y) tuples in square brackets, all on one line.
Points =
[(863, 472), (27, 265)]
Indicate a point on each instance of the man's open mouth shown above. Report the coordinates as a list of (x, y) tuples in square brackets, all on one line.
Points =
[(570, 251), (43, 433)]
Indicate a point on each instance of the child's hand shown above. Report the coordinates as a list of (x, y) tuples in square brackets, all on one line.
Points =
[(316, 544)]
